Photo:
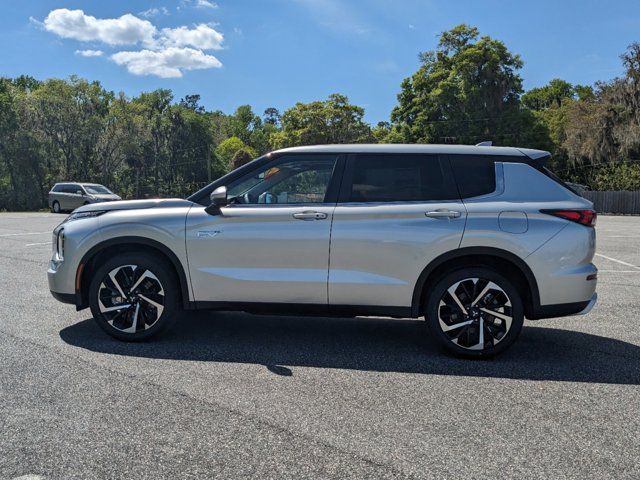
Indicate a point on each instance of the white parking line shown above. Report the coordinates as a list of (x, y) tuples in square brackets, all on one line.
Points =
[(39, 243), (617, 261), (27, 233)]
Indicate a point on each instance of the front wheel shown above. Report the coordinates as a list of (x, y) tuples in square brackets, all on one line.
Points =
[(133, 296), (474, 312)]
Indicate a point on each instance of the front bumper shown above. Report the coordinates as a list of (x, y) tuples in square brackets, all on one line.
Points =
[(64, 297)]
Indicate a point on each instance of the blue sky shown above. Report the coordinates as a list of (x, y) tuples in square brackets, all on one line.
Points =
[(276, 52)]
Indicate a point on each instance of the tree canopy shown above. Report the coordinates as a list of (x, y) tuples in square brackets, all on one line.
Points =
[(466, 90), (334, 120)]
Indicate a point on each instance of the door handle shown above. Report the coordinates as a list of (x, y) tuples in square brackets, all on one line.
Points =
[(442, 214), (309, 215)]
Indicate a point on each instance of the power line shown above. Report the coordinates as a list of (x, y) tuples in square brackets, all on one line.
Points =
[(599, 164)]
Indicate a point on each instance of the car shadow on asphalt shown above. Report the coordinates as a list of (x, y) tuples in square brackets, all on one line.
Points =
[(370, 344)]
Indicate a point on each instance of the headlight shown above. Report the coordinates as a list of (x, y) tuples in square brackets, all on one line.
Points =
[(58, 247), (79, 215)]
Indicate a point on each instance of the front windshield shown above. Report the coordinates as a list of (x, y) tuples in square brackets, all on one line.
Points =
[(96, 189)]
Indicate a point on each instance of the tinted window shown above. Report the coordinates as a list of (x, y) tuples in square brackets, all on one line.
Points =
[(400, 178), (57, 188), (97, 189), (286, 180), (475, 174)]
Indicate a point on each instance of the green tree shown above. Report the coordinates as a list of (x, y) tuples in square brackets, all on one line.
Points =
[(229, 148), (242, 157), (465, 91), (551, 95), (334, 120), (69, 115)]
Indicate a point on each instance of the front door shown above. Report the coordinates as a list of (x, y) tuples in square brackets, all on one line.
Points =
[(271, 243), (396, 213)]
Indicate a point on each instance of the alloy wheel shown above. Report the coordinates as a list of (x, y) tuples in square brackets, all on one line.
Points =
[(475, 313), (131, 298)]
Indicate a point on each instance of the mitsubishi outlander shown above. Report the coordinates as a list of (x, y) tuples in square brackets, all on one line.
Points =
[(473, 239)]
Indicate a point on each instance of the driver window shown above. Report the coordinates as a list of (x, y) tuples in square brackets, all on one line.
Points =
[(288, 180)]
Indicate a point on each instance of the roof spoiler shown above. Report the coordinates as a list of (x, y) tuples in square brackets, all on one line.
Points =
[(538, 157)]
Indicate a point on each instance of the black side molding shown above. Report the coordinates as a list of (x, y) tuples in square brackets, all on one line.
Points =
[(305, 309)]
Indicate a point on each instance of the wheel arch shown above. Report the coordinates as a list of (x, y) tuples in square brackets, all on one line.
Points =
[(501, 260), (92, 259)]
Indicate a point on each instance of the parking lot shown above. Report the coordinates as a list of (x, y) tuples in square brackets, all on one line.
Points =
[(231, 395)]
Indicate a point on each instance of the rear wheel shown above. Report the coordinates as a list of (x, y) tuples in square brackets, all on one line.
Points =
[(133, 296), (474, 312), (55, 206)]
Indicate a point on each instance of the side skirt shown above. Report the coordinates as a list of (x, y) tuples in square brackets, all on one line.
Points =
[(306, 309)]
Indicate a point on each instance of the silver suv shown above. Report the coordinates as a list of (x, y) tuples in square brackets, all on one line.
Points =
[(68, 196), (474, 239)]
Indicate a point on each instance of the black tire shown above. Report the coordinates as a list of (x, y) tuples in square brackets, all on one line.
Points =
[(55, 207), (442, 311), (159, 288)]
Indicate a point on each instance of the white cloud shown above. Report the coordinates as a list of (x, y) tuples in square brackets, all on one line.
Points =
[(199, 4), (205, 4), (125, 30), (203, 37), (89, 53), (167, 63), (167, 53), (196, 4), (37, 23), (152, 12)]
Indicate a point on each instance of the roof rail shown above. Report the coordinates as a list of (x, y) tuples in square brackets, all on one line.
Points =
[(486, 143)]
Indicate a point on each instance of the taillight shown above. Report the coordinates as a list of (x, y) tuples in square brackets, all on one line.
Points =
[(583, 217)]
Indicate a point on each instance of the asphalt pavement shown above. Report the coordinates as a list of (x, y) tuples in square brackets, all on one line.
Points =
[(233, 395)]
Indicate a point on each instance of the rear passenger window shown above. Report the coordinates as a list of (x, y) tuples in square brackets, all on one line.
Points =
[(400, 178), (474, 174)]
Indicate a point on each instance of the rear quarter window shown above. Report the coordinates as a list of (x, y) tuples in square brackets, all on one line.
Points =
[(474, 174)]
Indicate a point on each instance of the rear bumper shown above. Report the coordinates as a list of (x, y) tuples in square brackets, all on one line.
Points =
[(564, 309)]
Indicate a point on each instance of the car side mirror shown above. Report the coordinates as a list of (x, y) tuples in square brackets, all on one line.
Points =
[(218, 199), (79, 192)]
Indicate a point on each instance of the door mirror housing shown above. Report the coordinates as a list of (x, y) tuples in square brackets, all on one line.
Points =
[(79, 192), (218, 199)]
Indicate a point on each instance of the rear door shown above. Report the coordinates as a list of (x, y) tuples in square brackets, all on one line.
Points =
[(396, 213)]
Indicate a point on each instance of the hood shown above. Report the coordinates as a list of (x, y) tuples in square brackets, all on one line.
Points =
[(135, 204)]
